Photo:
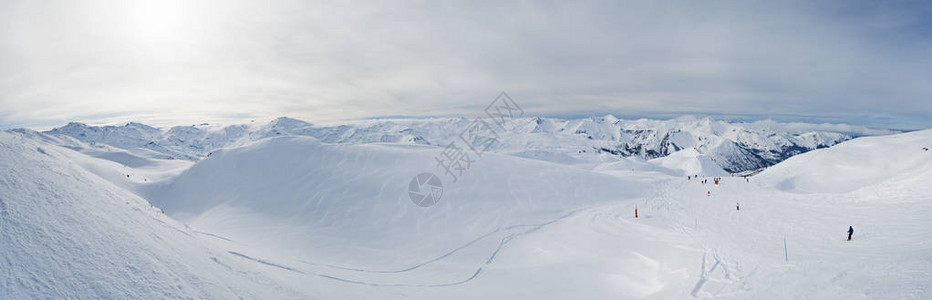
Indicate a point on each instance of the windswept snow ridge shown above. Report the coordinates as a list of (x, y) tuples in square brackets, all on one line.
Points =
[(68, 234)]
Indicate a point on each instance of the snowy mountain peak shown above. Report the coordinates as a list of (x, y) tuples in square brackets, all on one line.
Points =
[(286, 122), (609, 118), (140, 126), (736, 147), (74, 124)]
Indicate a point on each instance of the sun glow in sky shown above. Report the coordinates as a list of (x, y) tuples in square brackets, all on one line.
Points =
[(159, 26), (182, 62)]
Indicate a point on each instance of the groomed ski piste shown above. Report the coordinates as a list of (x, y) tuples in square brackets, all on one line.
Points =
[(292, 218)]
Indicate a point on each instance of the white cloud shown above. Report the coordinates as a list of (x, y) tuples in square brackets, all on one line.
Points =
[(186, 61)]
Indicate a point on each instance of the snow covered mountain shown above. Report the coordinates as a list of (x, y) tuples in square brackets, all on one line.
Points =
[(735, 147), (279, 213)]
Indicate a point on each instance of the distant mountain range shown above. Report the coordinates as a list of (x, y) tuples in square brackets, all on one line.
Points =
[(738, 147)]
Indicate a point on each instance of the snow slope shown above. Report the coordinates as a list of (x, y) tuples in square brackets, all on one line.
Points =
[(308, 205), (690, 163), (855, 164), (68, 234)]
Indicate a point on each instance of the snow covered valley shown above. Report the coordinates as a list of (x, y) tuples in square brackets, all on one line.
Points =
[(302, 215)]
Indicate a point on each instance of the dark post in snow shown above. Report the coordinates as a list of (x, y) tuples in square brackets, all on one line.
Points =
[(786, 256)]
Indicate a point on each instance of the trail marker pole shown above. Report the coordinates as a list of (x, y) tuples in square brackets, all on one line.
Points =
[(786, 256)]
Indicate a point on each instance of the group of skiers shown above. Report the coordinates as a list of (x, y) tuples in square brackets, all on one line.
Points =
[(703, 181), (715, 179), (738, 205), (706, 180)]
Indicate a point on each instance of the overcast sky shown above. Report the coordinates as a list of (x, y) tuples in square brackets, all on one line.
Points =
[(181, 62)]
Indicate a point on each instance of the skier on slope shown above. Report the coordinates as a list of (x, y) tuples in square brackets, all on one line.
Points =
[(850, 232)]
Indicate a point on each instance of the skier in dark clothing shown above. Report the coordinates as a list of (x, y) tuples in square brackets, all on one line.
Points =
[(850, 232)]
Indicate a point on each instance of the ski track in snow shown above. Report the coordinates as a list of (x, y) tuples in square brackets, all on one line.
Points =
[(727, 281), (501, 246), (265, 262), (212, 235)]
